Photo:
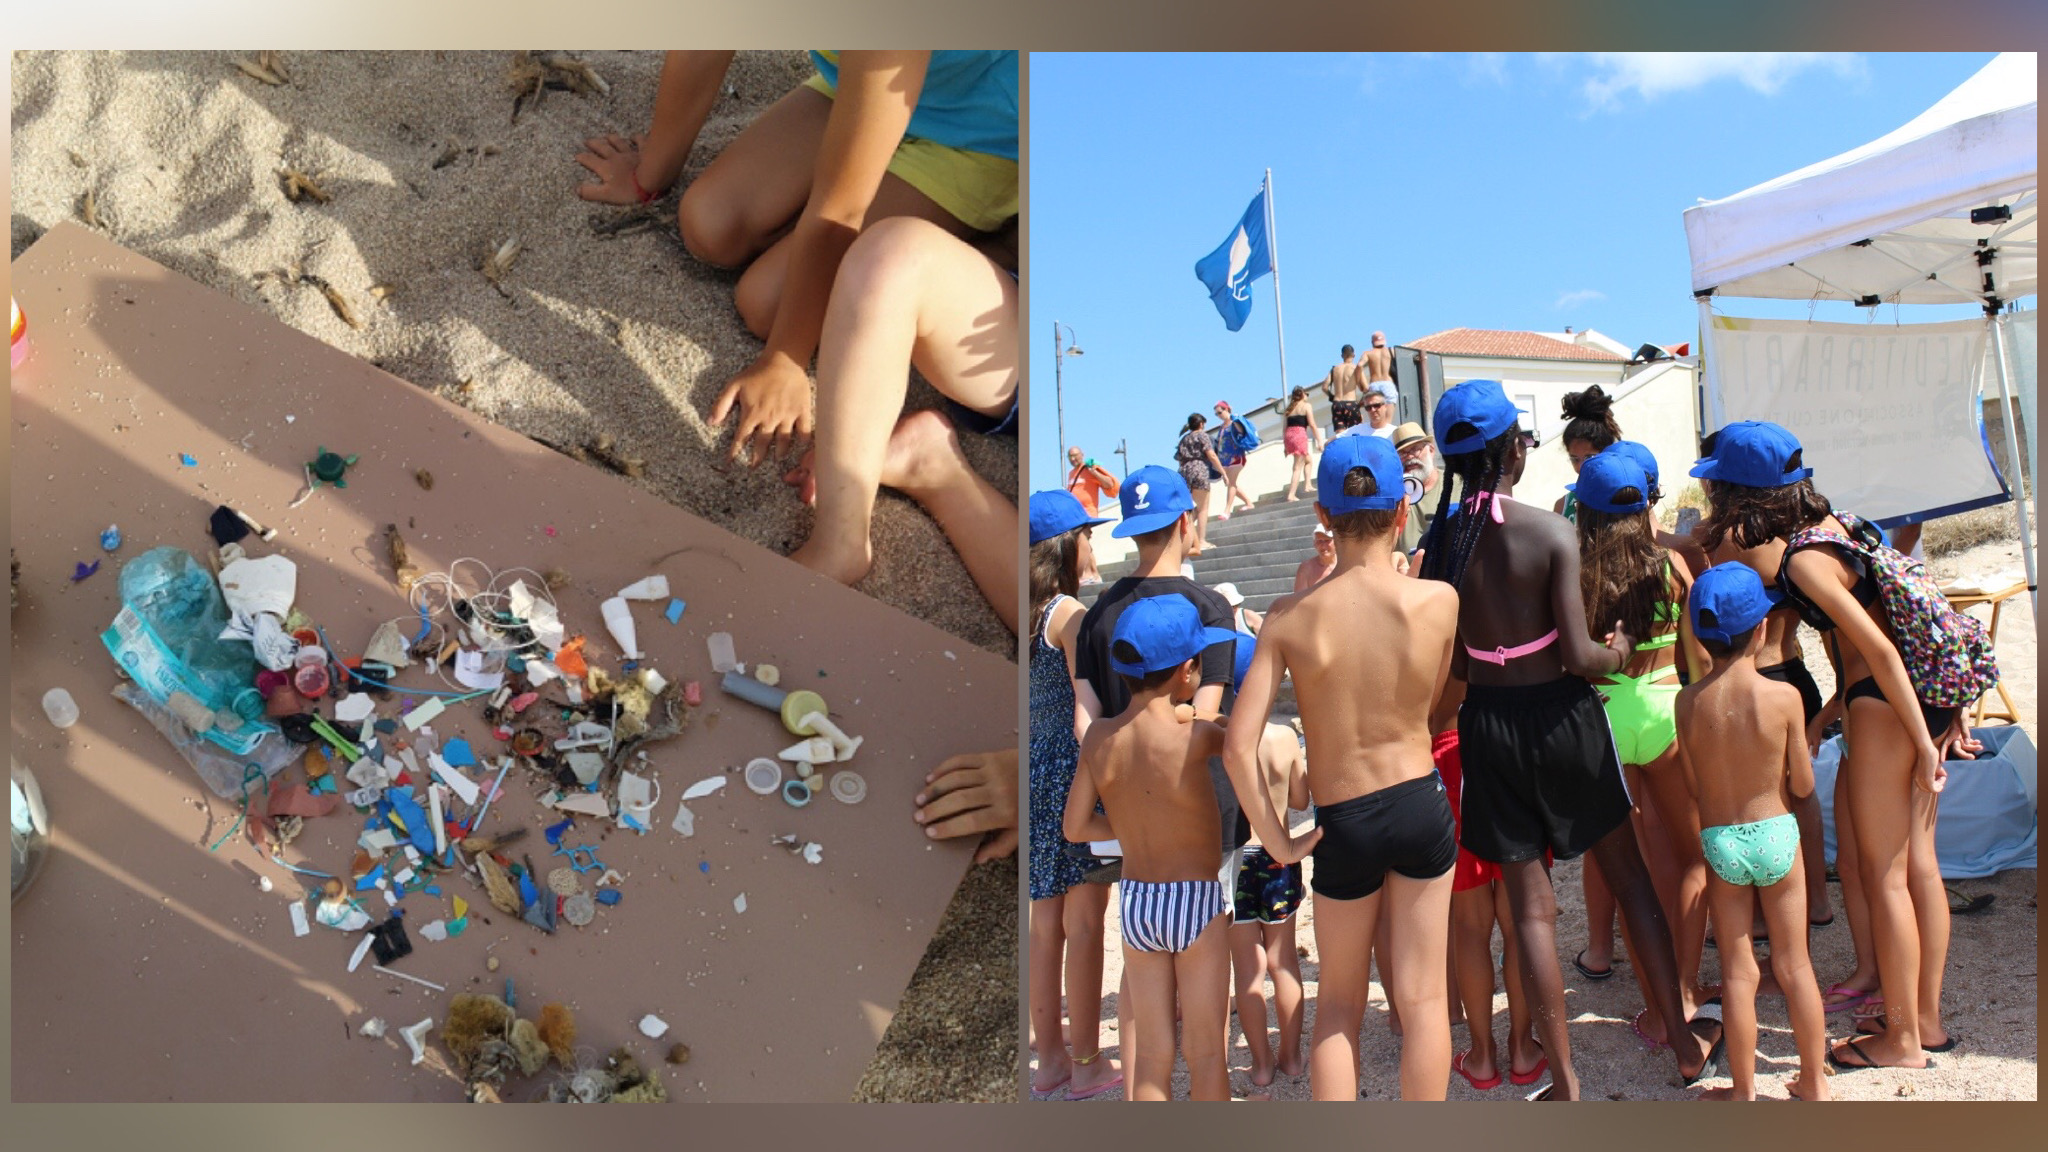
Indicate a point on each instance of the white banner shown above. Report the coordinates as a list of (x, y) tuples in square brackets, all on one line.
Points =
[(1888, 414)]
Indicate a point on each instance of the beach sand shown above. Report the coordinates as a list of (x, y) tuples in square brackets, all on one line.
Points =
[(1988, 996), (626, 336)]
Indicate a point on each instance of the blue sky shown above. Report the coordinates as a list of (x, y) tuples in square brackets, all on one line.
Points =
[(1414, 193)]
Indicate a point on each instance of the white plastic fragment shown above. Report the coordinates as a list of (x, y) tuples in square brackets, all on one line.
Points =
[(637, 795), (264, 884), (435, 930), (362, 949), (723, 657), (379, 840), (299, 925), (585, 803), (815, 750), (652, 588), (416, 1037), (472, 671), (852, 746), (813, 852), (817, 723), (414, 979), (653, 681), (684, 824), (618, 620), (356, 708), (538, 614), (764, 776), (849, 787), (373, 1028), (539, 672), (586, 766), (424, 714), (252, 587), (368, 774), (704, 787), (434, 810), (465, 789), (586, 734), (739, 902), (653, 1027)]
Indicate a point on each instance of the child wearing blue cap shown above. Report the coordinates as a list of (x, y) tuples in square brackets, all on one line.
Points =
[(1387, 834), (1885, 794), (1540, 769), (1628, 575), (1742, 746), (1150, 771), (1067, 915)]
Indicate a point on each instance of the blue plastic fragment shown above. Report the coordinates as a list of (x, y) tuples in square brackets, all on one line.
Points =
[(457, 753), (527, 893), (630, 665), (675, 611), (704, 866), (511, 998), (370, 879), (626, 818), (111, 538), (608, 896), (417, 826), (432, 889), (386, 726), (84, 570), (515, 663), (554, 831), (188, 460)]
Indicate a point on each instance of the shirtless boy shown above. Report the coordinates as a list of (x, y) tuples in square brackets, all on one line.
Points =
[(1388, 841), (1342, 386), (1378, 362), (1742, 742), (1150, 771)]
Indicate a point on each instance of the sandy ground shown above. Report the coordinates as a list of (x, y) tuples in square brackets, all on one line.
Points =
[(626, 337), (1989, 996)]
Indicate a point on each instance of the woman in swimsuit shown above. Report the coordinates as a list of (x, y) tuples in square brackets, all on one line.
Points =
[(1627, 576), (1540, 770), (1301, 429), (1885, 795), (1198, 463)]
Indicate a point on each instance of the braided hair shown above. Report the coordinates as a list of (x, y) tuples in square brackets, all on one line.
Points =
[(1450, 540)]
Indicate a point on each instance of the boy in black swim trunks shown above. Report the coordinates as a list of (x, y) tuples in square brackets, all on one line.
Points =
[(1388, 842), (1541, 772)]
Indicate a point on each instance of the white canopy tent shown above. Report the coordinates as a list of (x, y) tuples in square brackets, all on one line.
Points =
[(1941, 211)]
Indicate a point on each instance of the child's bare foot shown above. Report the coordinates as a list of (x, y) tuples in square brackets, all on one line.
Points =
[(1799, 1090), (923, 455), (1052, 1073), (1262, 1074), (1727, 1093), (1094, 1077), (1292, 1064), (844, 555)]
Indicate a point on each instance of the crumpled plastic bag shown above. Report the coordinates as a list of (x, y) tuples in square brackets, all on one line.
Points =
[(223, 773), (166, 638)]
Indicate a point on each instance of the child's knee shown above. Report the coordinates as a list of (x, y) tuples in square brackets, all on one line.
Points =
[(712, 226), (757, 299)]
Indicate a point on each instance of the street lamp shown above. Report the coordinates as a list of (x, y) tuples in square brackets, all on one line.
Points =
[(1059, 356)]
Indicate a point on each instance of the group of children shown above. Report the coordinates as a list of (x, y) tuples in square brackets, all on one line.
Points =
[(1519, 698)]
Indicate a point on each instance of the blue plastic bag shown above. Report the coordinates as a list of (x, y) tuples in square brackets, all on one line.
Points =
[(167, 639)]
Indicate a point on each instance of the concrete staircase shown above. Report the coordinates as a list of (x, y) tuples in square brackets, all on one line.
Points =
[(1258, 550)]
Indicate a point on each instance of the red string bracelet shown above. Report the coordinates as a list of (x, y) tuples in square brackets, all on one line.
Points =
[(646, 197)]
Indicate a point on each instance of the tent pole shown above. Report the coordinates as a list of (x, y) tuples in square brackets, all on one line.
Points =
[(2012, 449), (1700, 399)]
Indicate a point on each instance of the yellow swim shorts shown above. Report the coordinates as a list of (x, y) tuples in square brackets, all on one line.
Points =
[(975, 188)]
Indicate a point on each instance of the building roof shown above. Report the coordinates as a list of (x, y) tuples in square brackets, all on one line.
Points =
[(1487, 343)]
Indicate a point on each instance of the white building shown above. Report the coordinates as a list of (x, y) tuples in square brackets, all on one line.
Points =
[(1655, 401)]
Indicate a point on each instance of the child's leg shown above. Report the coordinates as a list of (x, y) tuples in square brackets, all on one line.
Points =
[(1882, 798), (1344, 932), (1201, 518), (1248, 971), (1087, 905), (1686, 908), (1733, 905), (1651, 953), (1930, 911), (1814, 856), (1422, 910), (1202, 974), (1784, 904), (1283, 964), (1849, 868), (1472, 957), (1523, 1050), (752, 192), (1534, 906), (908, 294), (1149, 981), (1599, 954), (1383, 961), (1048, 1038)]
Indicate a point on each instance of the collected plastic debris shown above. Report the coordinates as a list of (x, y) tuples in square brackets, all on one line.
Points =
[(637, 796), (723, 657), (651, 588), (416, 1038), (653, 1027), (796, 792), (618, 619), (763, 776), (83, 570), (675, 611), (739, 902), (60, 707), (849, 787), (111, 538), (372, 1029), (330, 468)]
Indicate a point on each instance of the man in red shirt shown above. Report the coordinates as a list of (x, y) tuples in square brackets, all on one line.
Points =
[(1089, 481)]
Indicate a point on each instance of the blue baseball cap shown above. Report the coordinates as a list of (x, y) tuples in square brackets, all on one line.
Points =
[(1480, 403), (1754, 454), (1376, 455), (1641, 454), (1246, 645), (1057, 513), (1152, 498), (1736, 596), (1606, 473), (1166, 631)]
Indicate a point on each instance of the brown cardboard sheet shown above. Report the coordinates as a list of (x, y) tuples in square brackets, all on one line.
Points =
[(146, 967)]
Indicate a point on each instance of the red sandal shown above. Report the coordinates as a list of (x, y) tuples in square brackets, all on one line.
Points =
[(1458, 1066), (1533, 1074)]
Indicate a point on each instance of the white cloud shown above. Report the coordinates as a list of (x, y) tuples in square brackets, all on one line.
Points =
[(1487, 67), (1582, 296), (1655, 74)]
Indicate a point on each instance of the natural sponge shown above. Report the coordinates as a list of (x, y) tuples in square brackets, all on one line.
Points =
[(472, 1020), (531, 1049), (558, 1032)]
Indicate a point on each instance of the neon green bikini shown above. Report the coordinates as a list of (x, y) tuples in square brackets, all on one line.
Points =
[(1641, 712)]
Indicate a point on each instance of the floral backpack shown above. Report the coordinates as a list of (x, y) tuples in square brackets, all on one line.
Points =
[(1948, 656)]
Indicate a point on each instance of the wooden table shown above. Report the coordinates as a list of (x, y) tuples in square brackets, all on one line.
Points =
[(148, 967), (1966, 600)]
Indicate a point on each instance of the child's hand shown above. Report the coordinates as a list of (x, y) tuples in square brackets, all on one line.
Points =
[(774, 398), (1400, 562), (1928, 773), (974, 794), (615, 161), (1955, 740), (1296, 849), (1814, 731), (1415, 566), (1622, 644)]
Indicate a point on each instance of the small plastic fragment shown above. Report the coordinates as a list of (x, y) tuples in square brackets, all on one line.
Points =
[(458, 753), (355, 709), (796, 793), (362, 949), (739, 902), (849, 787), (83, 570), (554, 831), (579, 909), (618, 620), (763, 776), (435, 930), (111, 538), (60, 707), (654, 1027), (813, 853), (188, 460), (816, 750), (693, 693), (768, 674), (723, 655), (609, 896), (372, 1029), (704, 787), (675, 611), (685, 823), (424, 714), (416, 1037), (299, 925), (651, 588)]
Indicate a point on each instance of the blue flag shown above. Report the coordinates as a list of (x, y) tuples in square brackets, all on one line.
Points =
[(1245, 256)]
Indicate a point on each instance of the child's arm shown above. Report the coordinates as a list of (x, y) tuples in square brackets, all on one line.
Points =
[(690, 82), (1694, 655), (1582, 656), (1798, 763), (1682, 713), (1819, 575), (876, 94), (1297, 777), (1081, 823), (1241, 746)]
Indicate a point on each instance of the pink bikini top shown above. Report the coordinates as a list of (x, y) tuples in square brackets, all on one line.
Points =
[(1503, 655)]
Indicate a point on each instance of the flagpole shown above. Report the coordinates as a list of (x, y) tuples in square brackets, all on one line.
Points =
[(1273, 248)]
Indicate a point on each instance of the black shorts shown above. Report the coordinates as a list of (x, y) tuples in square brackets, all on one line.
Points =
[(1540, 771), (1346, 413), (1794, 672), (1407, 828)]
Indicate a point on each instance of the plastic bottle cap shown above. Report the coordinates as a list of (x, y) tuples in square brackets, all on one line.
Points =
[(763, 776), (849, 787), (796, 793), (799, 704)]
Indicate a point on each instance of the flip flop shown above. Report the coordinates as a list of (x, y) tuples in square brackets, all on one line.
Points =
[(1579, 962), (1099, 1089), (1648, 1044), (1855, 998), (1948, 1045), (1533, 1074), (1542, 1093), (1458, 1066), (1050, 1093), (1970, 905), (1712, 1067), (1865, 1061)]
